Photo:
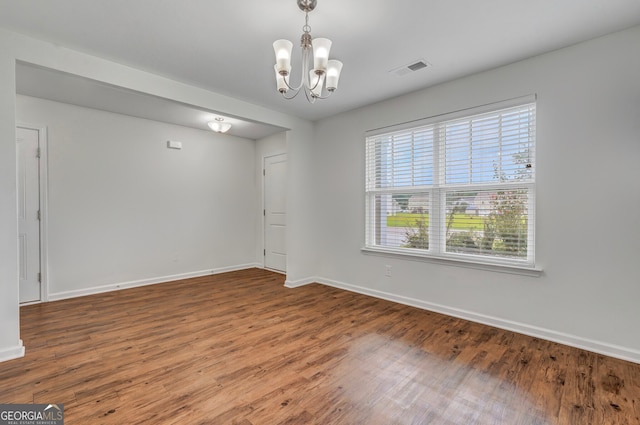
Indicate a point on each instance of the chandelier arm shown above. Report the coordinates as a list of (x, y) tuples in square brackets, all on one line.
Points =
[(314, 87), (294, 88), (324, 97), (284, 95), (304, 80), (310, 97)]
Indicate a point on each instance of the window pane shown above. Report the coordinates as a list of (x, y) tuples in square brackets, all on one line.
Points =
[(493, 147), (488, 222), (404, 159), (400, 220), (458, 152)]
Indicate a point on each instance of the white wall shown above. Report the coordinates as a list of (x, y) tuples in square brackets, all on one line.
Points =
[(302, 252), (125, 208), (14, 47), (10, 343), (588, 202), (272, 145)]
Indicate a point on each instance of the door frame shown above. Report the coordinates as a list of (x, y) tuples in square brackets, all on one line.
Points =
[(264, 206), (43, 196)]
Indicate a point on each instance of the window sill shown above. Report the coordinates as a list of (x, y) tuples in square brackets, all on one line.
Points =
[(456, 262)]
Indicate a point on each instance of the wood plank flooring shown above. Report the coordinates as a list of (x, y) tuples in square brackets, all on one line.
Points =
[(239, 348)]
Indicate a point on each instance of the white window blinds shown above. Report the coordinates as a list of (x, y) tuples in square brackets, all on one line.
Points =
[(460, 188)]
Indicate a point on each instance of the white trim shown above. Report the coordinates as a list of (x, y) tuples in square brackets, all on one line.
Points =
[(12, 353), (43, 181), (44, 213), (144, 282), (612, 350), (459, 261), (301, 282)]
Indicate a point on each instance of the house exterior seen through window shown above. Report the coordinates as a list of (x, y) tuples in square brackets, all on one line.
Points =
[(458, 188)]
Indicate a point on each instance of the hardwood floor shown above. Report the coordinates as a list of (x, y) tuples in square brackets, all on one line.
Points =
[(239, 348)]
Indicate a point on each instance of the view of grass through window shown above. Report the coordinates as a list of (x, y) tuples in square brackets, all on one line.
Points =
[(487, 223)]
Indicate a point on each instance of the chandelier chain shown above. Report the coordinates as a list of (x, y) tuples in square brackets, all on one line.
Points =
[(306, 27)]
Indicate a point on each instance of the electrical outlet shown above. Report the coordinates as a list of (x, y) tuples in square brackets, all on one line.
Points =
[(387, 270)]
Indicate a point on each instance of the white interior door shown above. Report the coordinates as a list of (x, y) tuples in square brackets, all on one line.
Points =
[(275, 212), (29, 213)]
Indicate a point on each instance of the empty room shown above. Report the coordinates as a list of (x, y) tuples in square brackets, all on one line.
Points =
[(320, 212)]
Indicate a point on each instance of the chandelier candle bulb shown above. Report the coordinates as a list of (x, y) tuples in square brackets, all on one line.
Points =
[(334, 67), (283, 55), (321, 49)]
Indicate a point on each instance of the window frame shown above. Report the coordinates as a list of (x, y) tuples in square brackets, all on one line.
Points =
[(437, 246)]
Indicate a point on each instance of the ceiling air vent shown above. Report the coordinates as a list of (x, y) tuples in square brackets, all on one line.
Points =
[(409, 68)]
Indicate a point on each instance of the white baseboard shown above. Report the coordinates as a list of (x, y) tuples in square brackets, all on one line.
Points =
[(611, 350), (301, 282), (12, 353), (53, 296)]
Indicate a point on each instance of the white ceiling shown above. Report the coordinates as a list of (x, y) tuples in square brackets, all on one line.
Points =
[(225, 46)]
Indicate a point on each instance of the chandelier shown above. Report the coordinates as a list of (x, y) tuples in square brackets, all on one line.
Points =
[(325, 73)]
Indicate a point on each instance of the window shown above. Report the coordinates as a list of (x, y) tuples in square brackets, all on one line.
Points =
[(455, 187)]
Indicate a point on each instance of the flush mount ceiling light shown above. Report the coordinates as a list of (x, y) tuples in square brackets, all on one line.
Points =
[(219, 126), (325, 72)]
